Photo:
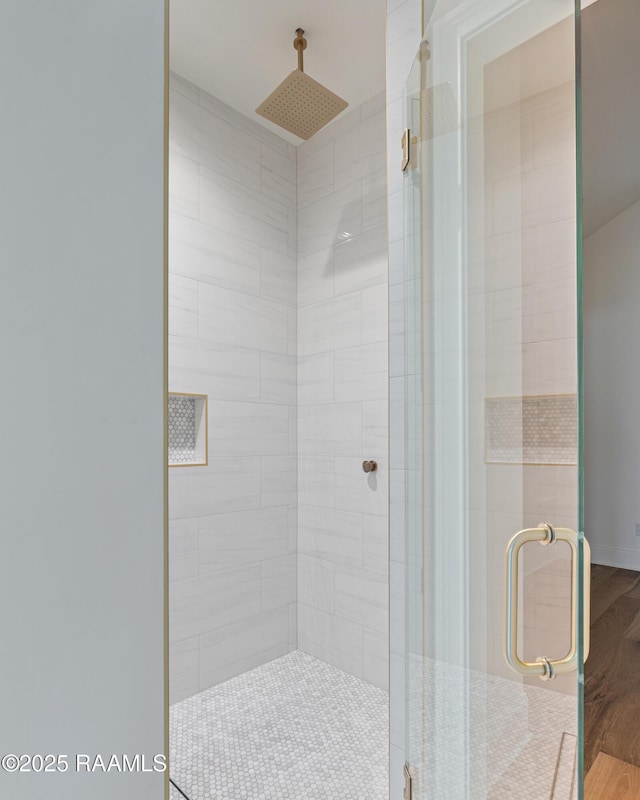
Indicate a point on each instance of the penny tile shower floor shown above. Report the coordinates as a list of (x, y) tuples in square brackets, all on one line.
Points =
[(293, 729)]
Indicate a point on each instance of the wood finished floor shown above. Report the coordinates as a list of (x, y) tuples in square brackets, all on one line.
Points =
[(612, 779), (612, 681)]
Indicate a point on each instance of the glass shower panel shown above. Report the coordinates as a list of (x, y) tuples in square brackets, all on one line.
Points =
[(491, 373), (415, 500)]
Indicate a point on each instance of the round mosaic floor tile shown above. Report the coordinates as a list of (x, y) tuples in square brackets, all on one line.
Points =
[(293, 728)]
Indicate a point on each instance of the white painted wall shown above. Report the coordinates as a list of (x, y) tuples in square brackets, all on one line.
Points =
[(611, 388), (81, 347), (232, 336)]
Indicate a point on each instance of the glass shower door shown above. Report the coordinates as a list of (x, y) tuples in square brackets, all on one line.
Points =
[(494, 561)]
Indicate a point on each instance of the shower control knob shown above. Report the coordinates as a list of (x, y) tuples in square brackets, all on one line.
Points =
[(369, 466)]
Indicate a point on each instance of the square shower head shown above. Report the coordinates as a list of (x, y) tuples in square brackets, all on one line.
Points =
[(301, 105)]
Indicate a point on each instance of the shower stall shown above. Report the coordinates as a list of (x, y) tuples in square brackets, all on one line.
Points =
[(377, 573), (278, 381)]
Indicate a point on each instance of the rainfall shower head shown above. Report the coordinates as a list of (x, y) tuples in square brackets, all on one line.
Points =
[(301, 105)]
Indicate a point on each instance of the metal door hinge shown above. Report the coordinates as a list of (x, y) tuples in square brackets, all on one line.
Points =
[(406, 149), (408, 783)]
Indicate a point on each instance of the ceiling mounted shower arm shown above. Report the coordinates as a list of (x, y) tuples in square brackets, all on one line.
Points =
[(300, 44), (299, 104)]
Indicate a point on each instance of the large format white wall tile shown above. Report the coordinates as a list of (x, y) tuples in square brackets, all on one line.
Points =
[(316, 583), (183, 661), (184, 186), (228, 317), (333, 428), (233, 117), (329, 534), (397, 642), (374, 200), (228, 596), (278, 175), (229, 205), (330, 638), (330, 325), (375, 314), (315, 173), (315, 379), (242, 537), (375, 428), (285, 255), (214, 256), (248, 428), (375, 544), (207, 602), (223, 372), (326, 222), (226, 484), (293, 625), (316, 480), (361, 596), (361, 373), (279, 581), (315, 276), (359, 492), (183, 307), (344, 123), (342, 393), (232, 248), (279, 481), (213, 142), (183, 548), (278, 378), (375, 657), (183, 87), (236, 648), (360, 152), (278, 277)]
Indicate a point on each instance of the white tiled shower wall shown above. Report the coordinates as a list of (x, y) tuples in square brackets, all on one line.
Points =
[(232, 336), (274, 251), (343, 394)]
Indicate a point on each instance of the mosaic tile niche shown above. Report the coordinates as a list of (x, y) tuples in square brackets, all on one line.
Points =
[(532, 430), (187, 430)]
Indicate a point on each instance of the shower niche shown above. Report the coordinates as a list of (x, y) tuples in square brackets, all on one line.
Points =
[(187, 420)]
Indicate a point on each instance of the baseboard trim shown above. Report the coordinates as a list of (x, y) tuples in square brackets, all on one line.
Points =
[(620, 557)]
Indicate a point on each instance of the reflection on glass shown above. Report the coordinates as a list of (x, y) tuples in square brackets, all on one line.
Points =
[(491, 377)]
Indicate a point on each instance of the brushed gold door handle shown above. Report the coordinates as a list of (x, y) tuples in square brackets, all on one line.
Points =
[(543, 667)]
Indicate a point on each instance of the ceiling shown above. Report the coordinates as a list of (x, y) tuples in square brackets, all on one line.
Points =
[(611, 109), (240, 50)]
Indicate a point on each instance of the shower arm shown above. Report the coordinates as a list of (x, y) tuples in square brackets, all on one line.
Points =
[(300, 44)]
